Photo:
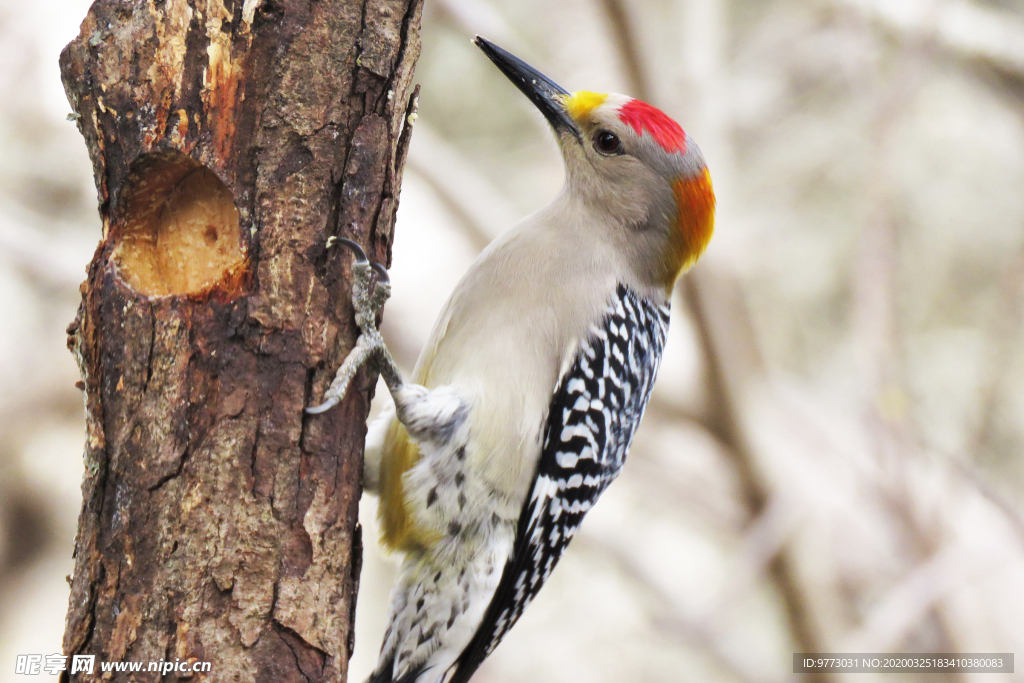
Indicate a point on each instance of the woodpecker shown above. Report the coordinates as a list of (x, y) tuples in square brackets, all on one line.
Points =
[(528, 392)]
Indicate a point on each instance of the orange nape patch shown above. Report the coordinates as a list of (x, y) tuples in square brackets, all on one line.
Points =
[(580, 103), (695, 198)]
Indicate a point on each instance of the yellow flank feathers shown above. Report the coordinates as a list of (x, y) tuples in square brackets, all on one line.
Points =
[(582, 102), (398, 528)]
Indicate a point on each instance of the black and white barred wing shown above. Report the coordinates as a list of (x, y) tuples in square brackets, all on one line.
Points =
[(593, 415)]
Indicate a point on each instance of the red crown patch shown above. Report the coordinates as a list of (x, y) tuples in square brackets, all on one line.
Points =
[(641, 116)]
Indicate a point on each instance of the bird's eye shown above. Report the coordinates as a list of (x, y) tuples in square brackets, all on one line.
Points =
[(607, 143)]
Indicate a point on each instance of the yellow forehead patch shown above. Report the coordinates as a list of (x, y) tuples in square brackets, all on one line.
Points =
[(582, 102)]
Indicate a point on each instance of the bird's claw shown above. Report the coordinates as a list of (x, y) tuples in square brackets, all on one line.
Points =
[(382, 272), (368, 298), (354, 246)]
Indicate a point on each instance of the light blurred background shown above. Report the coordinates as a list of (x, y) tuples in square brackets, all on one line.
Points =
[(832, 460)]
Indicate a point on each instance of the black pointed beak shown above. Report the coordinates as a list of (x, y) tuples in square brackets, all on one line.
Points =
[(545, 94)]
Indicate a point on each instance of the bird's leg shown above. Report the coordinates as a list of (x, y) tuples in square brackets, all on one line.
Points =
[(432, 415), (368, 297)]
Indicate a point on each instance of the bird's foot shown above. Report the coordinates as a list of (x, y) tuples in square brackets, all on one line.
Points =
[(368, 297)]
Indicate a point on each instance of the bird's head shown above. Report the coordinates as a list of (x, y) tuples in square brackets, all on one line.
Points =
[(629, 161)]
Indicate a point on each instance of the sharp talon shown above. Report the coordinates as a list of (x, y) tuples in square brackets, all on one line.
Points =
[(382, 271), (356, 249), (323, 407)]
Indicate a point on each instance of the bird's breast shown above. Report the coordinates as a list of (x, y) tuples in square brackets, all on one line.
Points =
[(508, 332)]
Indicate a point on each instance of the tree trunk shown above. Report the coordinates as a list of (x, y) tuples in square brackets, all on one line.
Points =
[(229, 139)]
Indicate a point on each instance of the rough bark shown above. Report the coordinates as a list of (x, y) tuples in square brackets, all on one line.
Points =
[(229, 140)]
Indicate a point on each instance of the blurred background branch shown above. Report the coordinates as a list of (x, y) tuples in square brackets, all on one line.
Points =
[(971, 30)]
